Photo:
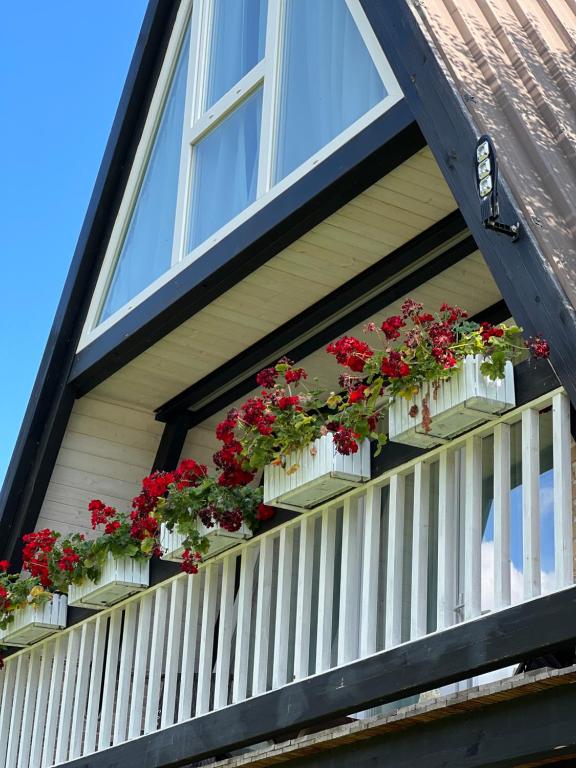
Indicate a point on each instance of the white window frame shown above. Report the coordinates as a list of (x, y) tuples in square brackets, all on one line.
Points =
[(266, 74)]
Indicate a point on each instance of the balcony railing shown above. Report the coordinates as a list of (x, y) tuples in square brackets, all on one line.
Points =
[(476, 525)]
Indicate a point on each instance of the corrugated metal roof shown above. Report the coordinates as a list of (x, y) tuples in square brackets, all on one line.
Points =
[(514, 64)]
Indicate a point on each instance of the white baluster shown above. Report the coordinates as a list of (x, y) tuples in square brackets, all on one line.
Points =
[(531, 502), (473, 528), (225, 632), (446, 597), (68, 689), (54, 698), (245, 590), (263, 605), (177, 590), (110, 679), (562, 448), (326, 590), (370, 571), (156, 660), (393, 631), (502, 592), (9, 674), (207, 639), (94, 690), (348, 622), (125, 673), (282, 628), (303, 598), (140, 667), (191, 613), (420, 535), (28, 724), (82, 685), (17, 709)]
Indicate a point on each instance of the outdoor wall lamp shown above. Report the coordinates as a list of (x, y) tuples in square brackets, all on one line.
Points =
[(486, 169)]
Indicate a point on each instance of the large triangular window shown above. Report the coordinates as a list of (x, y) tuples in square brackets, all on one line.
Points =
[(260, 92)]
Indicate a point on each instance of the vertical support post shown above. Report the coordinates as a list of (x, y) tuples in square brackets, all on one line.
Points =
[(225, 630), (502, 585), (68, 688), (283, 593), (241, 655), (110, 679), (207, 639), (393, 630), (156, 660), (446, 598), (125, 673), (562, 449), (263, 604), (531, 502), (140, 669), (370, 571), (82, 685), (420, 534), (94, 690), (473, 528), (303, 599), (28, 724), (38, 727), (191, 611), (177, 591), (348, 623), (326, 590)]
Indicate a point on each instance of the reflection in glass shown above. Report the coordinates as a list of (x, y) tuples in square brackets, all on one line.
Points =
[(238, 40), (147, 249), (225, 171), (328, 79)]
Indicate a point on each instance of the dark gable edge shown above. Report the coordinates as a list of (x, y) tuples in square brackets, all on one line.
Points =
[(52, 398), (367, 157), (531, 290)]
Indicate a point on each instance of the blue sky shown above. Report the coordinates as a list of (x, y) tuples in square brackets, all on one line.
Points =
[(62, 68)]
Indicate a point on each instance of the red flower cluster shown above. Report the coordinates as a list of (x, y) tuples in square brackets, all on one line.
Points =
[(411, 308), (350, 352), (292, 401), (37, 547), (68, 560), (4, 565), (390, 327), (267, 378), (538, 346), (190, 561), (5, 604), (100, 512), (264, 512), (488, 330), (344, 440), (295, 374), (394, 367), (357, 395)]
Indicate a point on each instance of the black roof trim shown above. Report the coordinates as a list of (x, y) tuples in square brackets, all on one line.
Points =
[(51, 399)]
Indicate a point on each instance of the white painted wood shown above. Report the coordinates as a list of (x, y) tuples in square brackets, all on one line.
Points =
[(326, 590), (473, 528), (241, 655), (17, 710), (68, 690), (28, 723), (393, 626), (262, 625), (531, 502), (125, 672), (175, 626), (209, 606), (283, 607), (420, 535), (191, 611), (349, 615), (447, 520), (8, 691), (462, 402), (81, 692), (110, 680), (321, 474), (219, 540), (225, 631), (502, 574), (563, 533), (272, 58), (370, 571), (95, 687), (303, 599), (33, 624), (54, 698), (141, 666), (120, 578), (156, 660)]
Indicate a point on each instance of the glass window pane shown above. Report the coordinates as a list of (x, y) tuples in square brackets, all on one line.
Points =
[(328, 80), (238, 41), (147, 249), (225, 171)]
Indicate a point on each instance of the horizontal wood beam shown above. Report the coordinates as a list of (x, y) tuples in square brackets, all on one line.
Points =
[(544, 625)]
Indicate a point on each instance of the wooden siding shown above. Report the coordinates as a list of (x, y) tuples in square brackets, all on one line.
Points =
[(401, 205), (107, 449)]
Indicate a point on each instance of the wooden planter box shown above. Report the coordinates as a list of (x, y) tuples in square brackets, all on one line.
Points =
[(121, 577), (463, 402), (171, 541), (31, 624), (319, 477)]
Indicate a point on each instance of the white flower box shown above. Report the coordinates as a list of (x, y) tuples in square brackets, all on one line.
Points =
[(121, 577), (321, 474), (32, 624), (463, 402), (219, 539)]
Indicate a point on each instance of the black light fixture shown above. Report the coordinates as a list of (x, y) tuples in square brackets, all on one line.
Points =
[(486, 173)]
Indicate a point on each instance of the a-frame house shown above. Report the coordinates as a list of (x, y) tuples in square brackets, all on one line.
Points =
[(279, 173)]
